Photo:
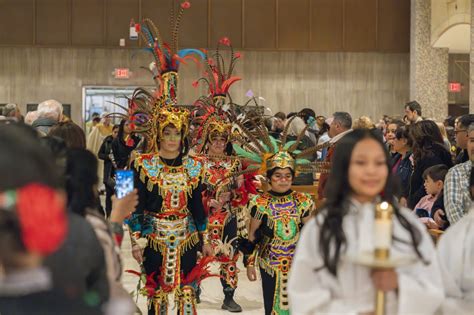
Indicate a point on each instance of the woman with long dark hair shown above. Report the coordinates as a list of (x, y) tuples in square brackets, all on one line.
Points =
[(33, 224), (71, 133), (401, 164), (323, 280), (123, 145), (83, 199), (428, 150)]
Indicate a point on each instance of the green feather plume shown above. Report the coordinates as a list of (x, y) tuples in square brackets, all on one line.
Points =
[(249, 155), (288, 145), (274, 143)]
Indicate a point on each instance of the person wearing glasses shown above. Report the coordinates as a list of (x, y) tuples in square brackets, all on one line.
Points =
[(457, 198), (461, 135)]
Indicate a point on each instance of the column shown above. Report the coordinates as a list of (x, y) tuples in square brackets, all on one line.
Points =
[(428, 65), (471, 64)]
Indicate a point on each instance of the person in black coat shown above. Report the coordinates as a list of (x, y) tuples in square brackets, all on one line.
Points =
[(105, 154), (78, 265), (124, 144), (401, 163), (428, 150)]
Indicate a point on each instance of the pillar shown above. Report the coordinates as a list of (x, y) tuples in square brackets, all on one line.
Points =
[(471, 63), (428, 65)]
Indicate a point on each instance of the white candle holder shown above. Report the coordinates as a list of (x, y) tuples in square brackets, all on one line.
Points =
[(380, 258)]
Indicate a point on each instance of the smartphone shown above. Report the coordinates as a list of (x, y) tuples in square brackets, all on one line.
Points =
[(123, 182)]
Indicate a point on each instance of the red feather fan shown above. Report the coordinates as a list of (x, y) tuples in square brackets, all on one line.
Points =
[(200, 272)]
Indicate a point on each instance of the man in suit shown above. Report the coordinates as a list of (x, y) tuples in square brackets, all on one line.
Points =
[(339, 125)]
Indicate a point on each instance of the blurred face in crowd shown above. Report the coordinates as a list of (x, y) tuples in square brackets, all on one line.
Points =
[(126, 128), (171, 139), (281, 180), (278, 124), (335, 128), (432, 187), (470, 145), (462, 136), (400, 145), (217, 145), (320, 120), (115, 132), (390, 134), (106, 121), (382, 125), (411, 115), (368, 170)]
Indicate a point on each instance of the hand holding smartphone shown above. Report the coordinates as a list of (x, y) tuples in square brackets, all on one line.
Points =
[(123, 182)]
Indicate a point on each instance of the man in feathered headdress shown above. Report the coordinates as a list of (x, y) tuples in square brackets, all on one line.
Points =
[(170, 214), (214, 146)]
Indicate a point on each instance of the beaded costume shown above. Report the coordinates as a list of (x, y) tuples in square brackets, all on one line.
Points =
[(279, 215), (219, 171), (169, 214), (222, 225), (282, 218)]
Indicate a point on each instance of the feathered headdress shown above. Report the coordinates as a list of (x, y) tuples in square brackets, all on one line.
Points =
[(213, 113), (167, 58), (254, 143), (212, 121), (151, 112)]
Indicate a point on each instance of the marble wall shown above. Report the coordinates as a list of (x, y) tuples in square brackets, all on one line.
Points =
[(360, 83), (428, 65), (471, 57)]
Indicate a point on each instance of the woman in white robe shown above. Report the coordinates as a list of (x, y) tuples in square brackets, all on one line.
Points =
[(456, 256), (323, 278)]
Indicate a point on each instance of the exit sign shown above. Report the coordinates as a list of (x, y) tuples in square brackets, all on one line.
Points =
[(122, 73), (455, 87)]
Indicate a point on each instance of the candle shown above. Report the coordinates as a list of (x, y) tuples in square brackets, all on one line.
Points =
[(383, 230)]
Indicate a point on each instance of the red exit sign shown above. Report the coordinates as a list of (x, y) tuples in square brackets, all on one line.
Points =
[(455, 87), (122, 73)]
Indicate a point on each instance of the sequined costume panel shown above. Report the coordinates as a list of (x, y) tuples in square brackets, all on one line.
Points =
[(169, 215), (282, 219), (222, 226)]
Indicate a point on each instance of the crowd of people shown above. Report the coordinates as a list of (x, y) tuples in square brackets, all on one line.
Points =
[(426, 175), (221, 182)]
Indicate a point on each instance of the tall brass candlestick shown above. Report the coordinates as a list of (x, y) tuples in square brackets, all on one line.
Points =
[(382, 242)]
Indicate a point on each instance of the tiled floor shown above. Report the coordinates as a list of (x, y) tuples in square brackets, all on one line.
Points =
[(248, 294)]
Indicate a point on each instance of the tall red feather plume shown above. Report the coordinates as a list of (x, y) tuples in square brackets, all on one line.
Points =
[(227, 83), (200, 271)]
